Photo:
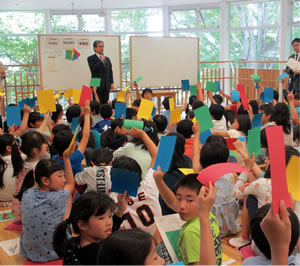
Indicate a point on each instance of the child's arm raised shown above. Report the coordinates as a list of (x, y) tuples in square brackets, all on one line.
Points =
[(196, 148), (221, 133), (206, 199), (136, 86), (44, 123), (24, 124), (212, 100), (69, 178), (164, 191), (96, 94), (86, 128), (201, 96), (228, 97)]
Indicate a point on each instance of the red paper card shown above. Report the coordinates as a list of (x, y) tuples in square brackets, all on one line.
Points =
[(278, 167), (86, 94), (230, 145), (233, 107), (241, 88), (245, 101), (76, 52), (214, 172), (14, 226)]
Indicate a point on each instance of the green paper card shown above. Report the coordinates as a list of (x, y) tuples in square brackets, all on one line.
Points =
[(95, 82), (255, 77), (128, 124), (69, 54), (193, 90), (203, 116), (138, 79), (254, 142), (211, 86), (173, 237)]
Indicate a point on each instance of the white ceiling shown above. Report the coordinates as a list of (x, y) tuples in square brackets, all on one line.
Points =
[(93, 4)]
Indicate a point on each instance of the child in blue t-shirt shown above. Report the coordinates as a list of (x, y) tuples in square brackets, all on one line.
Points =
[(106, 112)]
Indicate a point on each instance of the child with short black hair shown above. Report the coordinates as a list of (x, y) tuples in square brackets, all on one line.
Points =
[(161, 123), (217, 114), (184, 127), (35, 120), (106, 112), (136, 104), (95, 112), (131, 113), (72, 111), (266, 119)]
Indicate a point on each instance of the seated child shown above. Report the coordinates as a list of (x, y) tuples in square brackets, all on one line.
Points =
[(217, 114), (266, 119), (95, 112), (184, 127), (72, 111), (161, 123), (131, 114), (97, 176), (106, 112)]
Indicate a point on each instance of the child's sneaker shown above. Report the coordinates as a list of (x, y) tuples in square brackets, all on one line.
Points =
[(237, 242)]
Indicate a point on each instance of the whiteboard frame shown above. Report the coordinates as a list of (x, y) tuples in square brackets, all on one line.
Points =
[(164, 37), (77, 35)]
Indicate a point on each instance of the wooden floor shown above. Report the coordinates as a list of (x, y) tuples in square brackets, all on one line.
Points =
[(19, 260)]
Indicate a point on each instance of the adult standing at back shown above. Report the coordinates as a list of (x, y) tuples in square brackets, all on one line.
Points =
[(101, 67)]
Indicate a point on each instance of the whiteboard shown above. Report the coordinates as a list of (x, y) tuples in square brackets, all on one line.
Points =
[(58, 73), (164, 61)]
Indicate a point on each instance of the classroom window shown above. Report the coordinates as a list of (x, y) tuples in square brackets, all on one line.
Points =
[(209, 18), (183, 19), (137, 20), (21, 23), (295, 32), (92, 23), (64, 23), (255, 14), (296, 11)]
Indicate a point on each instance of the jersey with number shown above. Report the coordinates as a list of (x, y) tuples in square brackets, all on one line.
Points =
[(142, 209)]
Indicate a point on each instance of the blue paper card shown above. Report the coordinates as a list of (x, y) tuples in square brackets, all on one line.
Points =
[(268, 95), (256, 122), (178, 263), (219, 86), (74, 123), (122, 180), (165, 153), (256, 86), (185, 85), (204, 135), (284, 75), (13, 115), (153, 111), (242, 138), (235, 96), (120, 109), (31, 102), (22, 103)]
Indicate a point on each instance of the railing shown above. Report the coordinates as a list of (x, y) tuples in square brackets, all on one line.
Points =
[(23, 80)]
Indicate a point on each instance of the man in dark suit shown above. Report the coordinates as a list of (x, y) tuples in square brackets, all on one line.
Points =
[(294, 74), (101, 67)]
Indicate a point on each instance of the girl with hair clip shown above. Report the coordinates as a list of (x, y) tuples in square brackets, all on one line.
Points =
[(93, 218), (137, 150), (45, 206), (34, 146)]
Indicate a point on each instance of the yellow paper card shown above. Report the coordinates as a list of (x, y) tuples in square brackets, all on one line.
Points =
[(171, 104), (69, 93), (73, 139), (121, 96), (194, 120), (145, 109), (186, 171), (46, 101), (2, 94), (56, 96), (76, 96), (127, 88), (293, 177), (1, 90), (175, 116)]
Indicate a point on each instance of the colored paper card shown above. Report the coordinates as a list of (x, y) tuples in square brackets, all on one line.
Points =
[(204, 135), (241, 88), (256, 86), (69, 93), (74, 123), (185, 85), (128, 124), (230, 145), (198, 93), (293, 180), (31, 102), (69, 54), (232, 153), (268, 95), (46, 101), (254, 142), (145, 109), (171, 104), (6, 216), (153, 111), (242, 138), (121, 96), (175, 116), (244, 100), (213, 172), (22, 103), (193, 90), (56, 96), (76, 52), (86, 95), (233, 108), (186, 171), (14, 226), (74, 137), (122, 180), (120, 109), (74, 56), (235, 96), (76, 96), (95, 82), (276, 149), (203, 116), (219, 86), (138, 79), (255, 77), (211, 86), (284, 75), (198, 76), (256, 121), (165, 153)]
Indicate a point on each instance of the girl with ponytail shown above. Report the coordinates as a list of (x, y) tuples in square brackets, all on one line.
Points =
[(93, 218), (44, 207)]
